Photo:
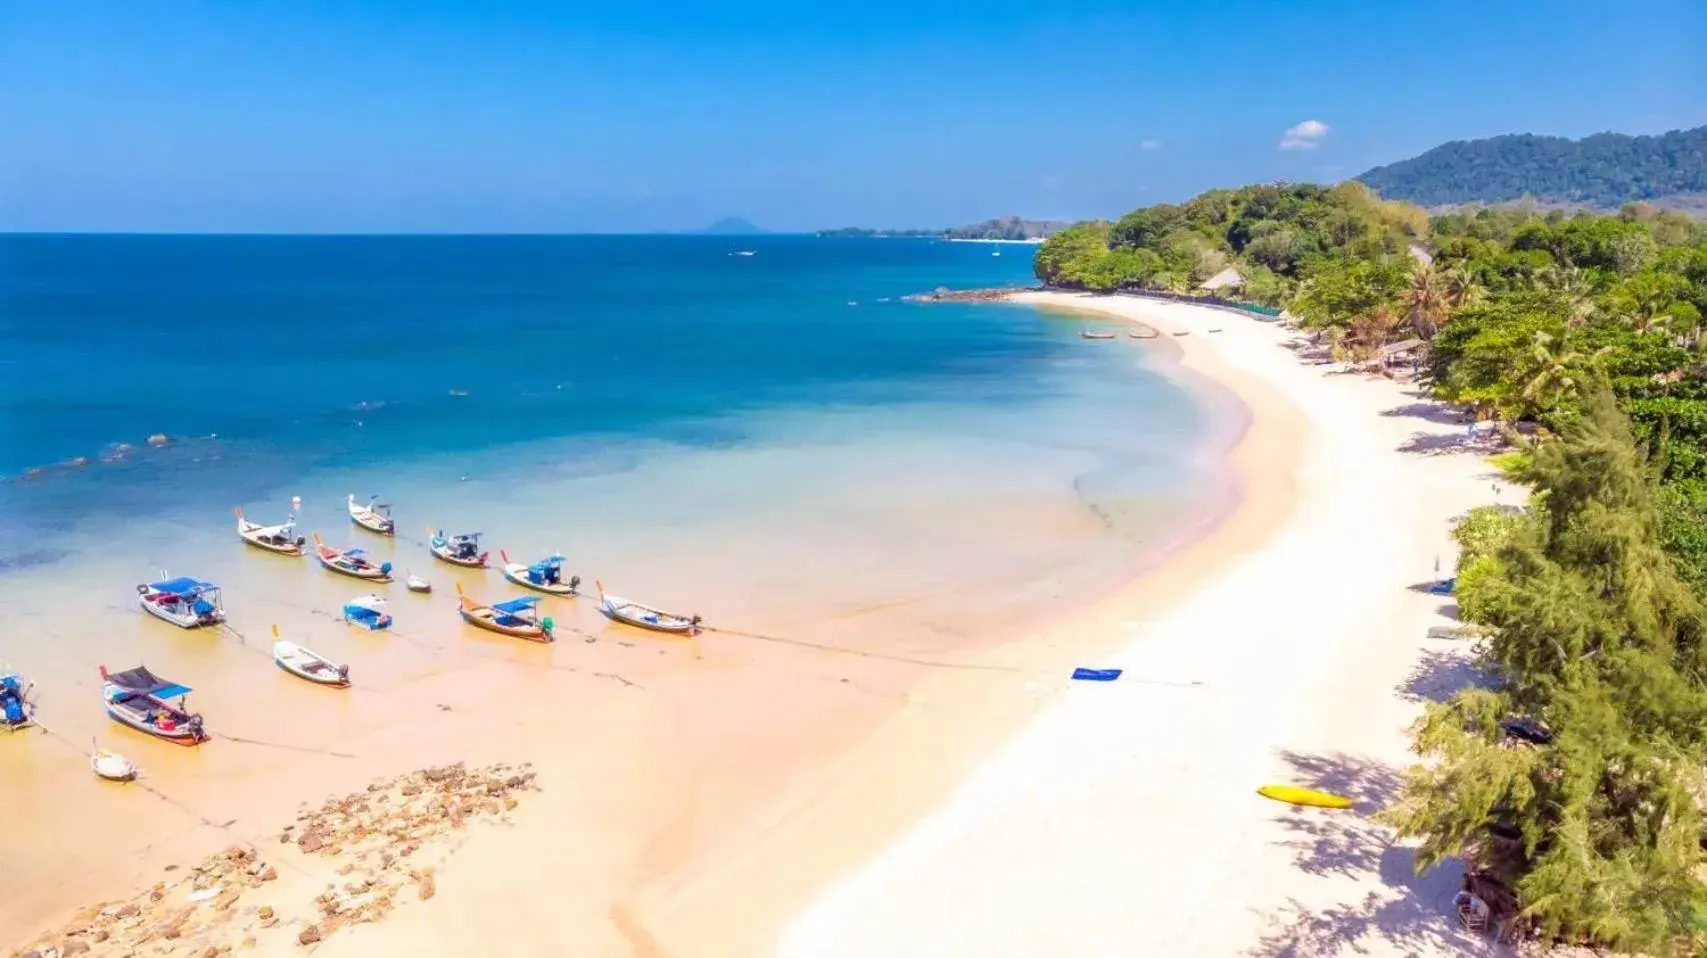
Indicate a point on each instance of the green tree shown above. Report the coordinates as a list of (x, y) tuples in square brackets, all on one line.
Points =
[(1596, 640)]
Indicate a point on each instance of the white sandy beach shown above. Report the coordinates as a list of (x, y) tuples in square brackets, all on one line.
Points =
[(1123, 820)]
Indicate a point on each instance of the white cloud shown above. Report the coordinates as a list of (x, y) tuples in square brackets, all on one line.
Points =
[(1149, 144), (1305, 136)]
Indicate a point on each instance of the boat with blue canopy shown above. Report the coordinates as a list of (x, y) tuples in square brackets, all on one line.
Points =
[(546, 575), (462, 550), (351, 562), (519, 618), (139, 698), (367, 611), (15, 708), (185, 602)]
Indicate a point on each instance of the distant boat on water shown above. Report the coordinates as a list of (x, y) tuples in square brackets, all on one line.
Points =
[(1087, 334)]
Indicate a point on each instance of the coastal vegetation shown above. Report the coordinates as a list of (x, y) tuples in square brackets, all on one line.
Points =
[(1601, 171), (1573, 776), (1276, 236)]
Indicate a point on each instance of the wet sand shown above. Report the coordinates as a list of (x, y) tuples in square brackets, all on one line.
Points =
[(693, 790)]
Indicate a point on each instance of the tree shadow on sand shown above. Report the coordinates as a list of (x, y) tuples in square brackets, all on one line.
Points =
[(1408, 915), (1441, 674), (1450, 444), (1435, 412)]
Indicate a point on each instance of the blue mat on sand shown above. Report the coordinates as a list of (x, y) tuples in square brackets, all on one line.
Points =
[(1096, 675)]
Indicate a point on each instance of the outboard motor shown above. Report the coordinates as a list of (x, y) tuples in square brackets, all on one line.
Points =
[(574, 583), (343, 673), (385, 567), (195, 727), (300, 542)]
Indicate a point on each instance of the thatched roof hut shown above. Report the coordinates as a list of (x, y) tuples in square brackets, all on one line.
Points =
[(1228, 278), (1403, 348)]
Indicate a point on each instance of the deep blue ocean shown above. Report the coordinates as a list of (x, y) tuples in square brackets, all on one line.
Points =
[(289, 342)]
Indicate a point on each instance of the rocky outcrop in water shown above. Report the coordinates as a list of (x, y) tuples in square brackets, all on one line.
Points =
[(362, 850), (943, 294)]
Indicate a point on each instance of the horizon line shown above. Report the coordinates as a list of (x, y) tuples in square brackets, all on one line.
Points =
[(396, 234)]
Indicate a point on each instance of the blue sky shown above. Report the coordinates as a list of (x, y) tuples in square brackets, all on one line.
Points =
[(305, 116)]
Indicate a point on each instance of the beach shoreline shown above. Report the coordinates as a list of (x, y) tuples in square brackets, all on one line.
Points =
[(1125, 817), (828, 824)]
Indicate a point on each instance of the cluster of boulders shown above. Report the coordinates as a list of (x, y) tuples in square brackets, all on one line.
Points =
[(380, 830), (377, 835), (943, 294), (179, 917)]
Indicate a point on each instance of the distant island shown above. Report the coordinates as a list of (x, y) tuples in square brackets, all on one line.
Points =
[(1010, 228), (1600, 172), (731, 226)]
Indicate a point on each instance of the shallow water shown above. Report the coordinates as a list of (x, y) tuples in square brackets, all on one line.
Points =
[(719, 434)]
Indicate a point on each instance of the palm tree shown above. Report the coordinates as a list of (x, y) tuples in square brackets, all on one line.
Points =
[(1574, 288), (1426, 301), (1460, 287), (1557, 367)]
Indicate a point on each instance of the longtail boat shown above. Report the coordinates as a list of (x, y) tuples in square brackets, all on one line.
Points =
[(306, 664), (646, 617), (374, 516), (351, 562), (281, 539), (138, 698), (462, 550), (546, 575), (519, 618)]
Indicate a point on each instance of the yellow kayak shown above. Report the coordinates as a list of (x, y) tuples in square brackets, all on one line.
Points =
[(1294, 795)]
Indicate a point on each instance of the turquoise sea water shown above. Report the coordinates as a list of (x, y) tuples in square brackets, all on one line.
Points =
[(776, 431), (271, 360)]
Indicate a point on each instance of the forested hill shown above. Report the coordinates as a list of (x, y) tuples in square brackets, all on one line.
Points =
[(1602, 171)]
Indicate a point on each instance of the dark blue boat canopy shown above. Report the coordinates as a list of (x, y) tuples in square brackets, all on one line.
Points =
[(517, 605), (183, 585), (141, 680)]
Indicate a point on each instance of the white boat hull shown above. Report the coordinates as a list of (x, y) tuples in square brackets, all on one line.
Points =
[(308, 665), (518, 574), (645, 617), (113, 768), (183, 621), (370, 520), (183, 734)]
